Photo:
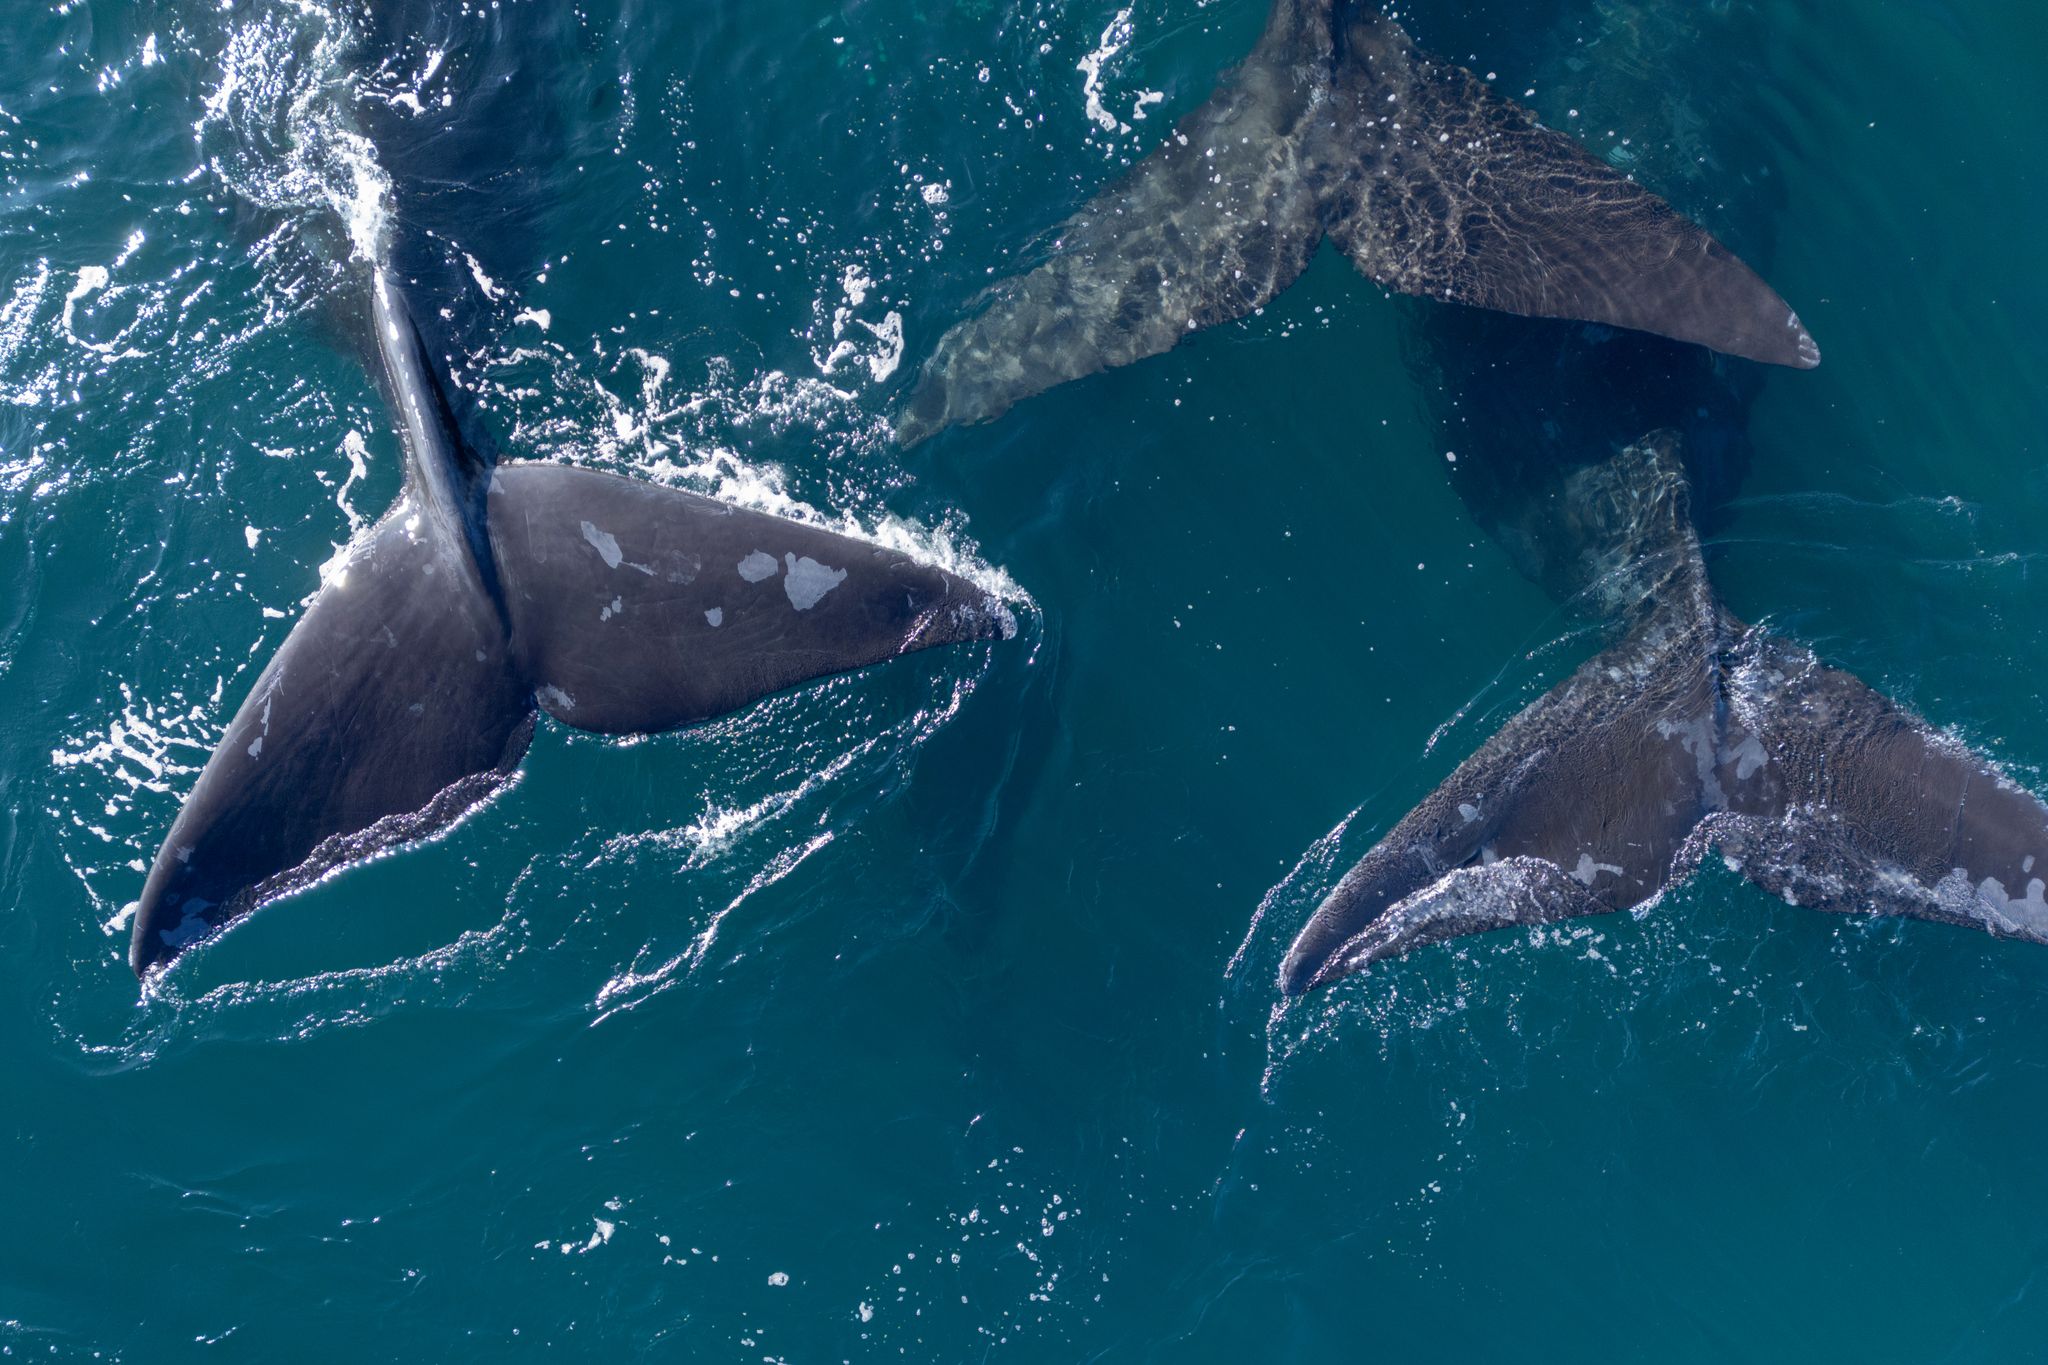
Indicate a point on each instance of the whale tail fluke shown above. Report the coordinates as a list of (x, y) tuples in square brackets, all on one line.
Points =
[(400, 700), (1693, 735), (1446, 190), (1337, 126), (406, 693), (1212, 225)]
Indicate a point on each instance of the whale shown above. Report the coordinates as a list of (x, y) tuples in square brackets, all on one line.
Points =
[(492, 591), (1694, 735), (1593, 459), (1339, 128)]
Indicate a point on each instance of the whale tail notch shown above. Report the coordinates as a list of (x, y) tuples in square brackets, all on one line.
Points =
[(406, 694), (1693, 735), (1337, 126)]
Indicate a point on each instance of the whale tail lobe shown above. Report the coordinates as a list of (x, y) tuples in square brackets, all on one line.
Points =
[(1694, 734), (1337, 126)]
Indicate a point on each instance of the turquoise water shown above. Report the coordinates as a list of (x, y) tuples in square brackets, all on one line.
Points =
[(928, 1013)]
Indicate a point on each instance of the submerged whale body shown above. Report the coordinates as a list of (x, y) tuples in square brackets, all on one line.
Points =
[(408, 691), (1695, 734), (1337, 127)]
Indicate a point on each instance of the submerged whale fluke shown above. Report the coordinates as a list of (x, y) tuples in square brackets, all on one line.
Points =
[(1695, 734), (1209, 227), (1446, 190), (1337, 126), (407, 692)]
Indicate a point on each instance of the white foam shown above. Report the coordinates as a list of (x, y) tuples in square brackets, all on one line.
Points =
[(90, 280), (491, 288), (855, 282), (889, 332), (1114, 39), (276, 123), (17, 315), (357, 449)]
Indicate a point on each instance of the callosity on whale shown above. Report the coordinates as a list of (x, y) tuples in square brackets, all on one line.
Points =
[(1337, 128), (408, 691)]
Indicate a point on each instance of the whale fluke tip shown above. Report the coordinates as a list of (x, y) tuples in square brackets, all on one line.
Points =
[(1809, 350)]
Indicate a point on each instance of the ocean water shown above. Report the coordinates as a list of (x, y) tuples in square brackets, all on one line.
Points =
[(928, 1013)]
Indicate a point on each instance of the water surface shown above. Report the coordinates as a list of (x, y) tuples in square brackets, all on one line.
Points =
[(928, 1013)]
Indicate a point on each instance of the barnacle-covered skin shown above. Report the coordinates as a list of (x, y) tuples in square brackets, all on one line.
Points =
[(1337, 126), (1694, 734)]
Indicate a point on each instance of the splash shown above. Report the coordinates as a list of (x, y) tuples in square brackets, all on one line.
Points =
[(276, 125), (148, 749)]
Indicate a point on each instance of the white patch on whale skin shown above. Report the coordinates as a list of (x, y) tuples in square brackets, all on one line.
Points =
[(1696, 737), (1749, 756), (191, 927), (716, 616), (1986, 901), (757, 566), (554, 698), (617, 606), (1587, 870), (2027, 912), (1467, 812), (605, 543), (808, 581)]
